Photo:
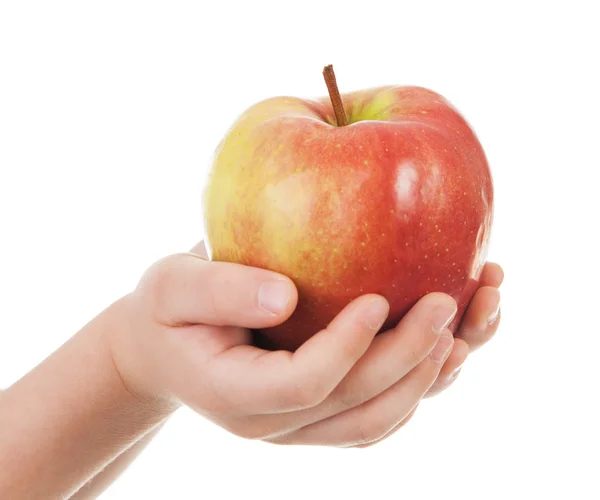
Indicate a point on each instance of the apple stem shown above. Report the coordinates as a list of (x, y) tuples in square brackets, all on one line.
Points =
[(334, 95)]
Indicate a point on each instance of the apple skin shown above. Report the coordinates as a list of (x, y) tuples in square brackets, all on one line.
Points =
[(399, 202)]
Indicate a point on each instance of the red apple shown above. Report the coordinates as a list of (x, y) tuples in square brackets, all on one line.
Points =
[(398, 201)]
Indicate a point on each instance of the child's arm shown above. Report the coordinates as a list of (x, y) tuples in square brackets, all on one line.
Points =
[(70, 416), (99, 483), (164, 344)]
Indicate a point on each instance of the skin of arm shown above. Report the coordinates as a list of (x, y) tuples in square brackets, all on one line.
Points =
[(99, 483), (71, 416)]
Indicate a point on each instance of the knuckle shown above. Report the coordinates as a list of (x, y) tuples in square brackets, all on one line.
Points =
[(376, 431), (157, 278), (417, 351), (418, 348), (386, 433), (349, 396), (309, 392), (371, 428), (414, 357)]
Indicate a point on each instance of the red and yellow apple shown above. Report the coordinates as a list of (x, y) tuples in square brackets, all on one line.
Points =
[(398, 202)]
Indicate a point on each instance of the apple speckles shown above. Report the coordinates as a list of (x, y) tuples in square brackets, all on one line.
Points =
[(386, 150), (426, 257), (423, 111), (360, 147), (393, 285), (454, 263), (383, 235), (365, 268), (447, 249), (338, 145), (366, 162), (362, 244), (395, 260), (406, 243)]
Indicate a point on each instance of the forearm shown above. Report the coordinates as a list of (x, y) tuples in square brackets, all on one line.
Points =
[(101, 481), (69, 417)]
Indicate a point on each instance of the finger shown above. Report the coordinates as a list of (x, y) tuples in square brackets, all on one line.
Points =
[(374, 419), (451, 368), (256, 381), (396, 352), (200, 250), (184, 289), (390, 357), (492, 275), (481, 318), (399, 426)]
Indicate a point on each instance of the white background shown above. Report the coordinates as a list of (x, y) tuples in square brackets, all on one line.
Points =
[(109, 114)]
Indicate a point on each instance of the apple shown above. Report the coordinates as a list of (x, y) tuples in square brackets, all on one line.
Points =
[(385, 190)]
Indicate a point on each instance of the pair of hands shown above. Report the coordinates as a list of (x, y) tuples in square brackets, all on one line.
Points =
[(188, 341)]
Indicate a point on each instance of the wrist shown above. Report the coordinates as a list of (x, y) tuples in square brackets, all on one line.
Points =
[(133, 371)]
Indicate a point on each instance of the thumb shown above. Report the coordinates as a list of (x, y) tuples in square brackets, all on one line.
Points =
[(185, 289)]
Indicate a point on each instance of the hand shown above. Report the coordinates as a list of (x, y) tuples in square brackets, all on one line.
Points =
[(188, 341), (478, 325)]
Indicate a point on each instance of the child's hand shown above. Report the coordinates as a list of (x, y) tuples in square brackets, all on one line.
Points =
[(188, 342), (478, 325)]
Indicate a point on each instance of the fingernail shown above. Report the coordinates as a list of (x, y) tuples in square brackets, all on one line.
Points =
[(442, 348), (442, 316), (273, 296), (494, 316), (454, 374), (376, 313)]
